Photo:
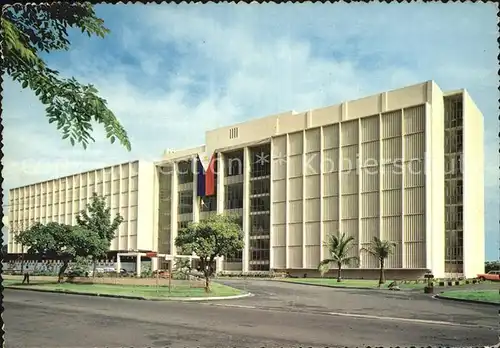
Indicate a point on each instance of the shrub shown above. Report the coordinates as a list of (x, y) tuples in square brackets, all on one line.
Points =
[(252, 274), (441, 283)]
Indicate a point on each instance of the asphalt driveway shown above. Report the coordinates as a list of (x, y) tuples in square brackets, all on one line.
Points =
[(273, 294), (283, 315)]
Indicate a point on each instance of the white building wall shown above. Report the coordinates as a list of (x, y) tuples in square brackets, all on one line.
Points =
[(146, 231), (436, 190), (61, 199), (473, 188), (362, 176)]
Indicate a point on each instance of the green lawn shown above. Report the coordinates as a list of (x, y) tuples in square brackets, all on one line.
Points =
[(333, 282), (358, 283), (478, 295), (178, 291)]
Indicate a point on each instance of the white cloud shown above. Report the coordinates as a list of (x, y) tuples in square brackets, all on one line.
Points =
[(176, 71)]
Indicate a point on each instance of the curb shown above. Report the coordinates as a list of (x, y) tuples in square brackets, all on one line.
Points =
[(180, 299), (465, 301), (363, 288), (248, 279)]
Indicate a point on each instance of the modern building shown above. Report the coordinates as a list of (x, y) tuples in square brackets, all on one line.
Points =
[(404, 165), (124, 186)]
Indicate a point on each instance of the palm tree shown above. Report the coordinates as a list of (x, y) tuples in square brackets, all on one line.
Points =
[(381, 249), (339, 248)]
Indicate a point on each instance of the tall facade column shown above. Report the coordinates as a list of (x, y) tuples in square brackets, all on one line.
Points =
[(173, 207), (246, 208), (138, 265), (271, 202), (403, 261), (196, 203), (360, 189), (321, 194), (304, 203), (287, 202), (221, 168), (381, 174)]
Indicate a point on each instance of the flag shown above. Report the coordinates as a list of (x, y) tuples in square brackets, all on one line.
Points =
[(206, 175)]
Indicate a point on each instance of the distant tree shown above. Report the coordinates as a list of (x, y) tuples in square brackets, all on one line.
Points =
[(60, 241), (338, 248), (97, 218), (491, 266), (15, 229), (31, 29), (381, 249), (219, 235)]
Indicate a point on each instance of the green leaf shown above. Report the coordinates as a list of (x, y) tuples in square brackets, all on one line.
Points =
[(72, 104), (112, 140), (72, 141)]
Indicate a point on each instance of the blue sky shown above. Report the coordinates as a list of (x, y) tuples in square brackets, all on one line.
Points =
[(170, 72)]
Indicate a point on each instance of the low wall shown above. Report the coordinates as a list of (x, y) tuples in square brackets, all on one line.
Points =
[(115, 281), (54, 266)]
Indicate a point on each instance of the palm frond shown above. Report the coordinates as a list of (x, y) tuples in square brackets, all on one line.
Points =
[(324, 266), (370, 251), (339, 247), (350, 260)]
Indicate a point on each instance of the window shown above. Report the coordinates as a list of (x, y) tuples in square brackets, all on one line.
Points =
[(185, 172), (259, 224), (233, 133), (459, 189), (259, 187), (234, 196), (453, 111), (260, 267), (460, 213), (261, 161), (260, 204), (259, 249), (458, 140), (185, 202), (208, 203), (234, 163), (458, 165)]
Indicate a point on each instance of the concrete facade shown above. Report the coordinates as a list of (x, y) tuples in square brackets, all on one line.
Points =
[(378, 166), (128, 188)]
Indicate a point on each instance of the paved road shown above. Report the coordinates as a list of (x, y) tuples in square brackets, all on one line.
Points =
[(399, 304), (285, 315)]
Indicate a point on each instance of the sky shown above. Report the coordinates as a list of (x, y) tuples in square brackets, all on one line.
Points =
[(170, 72)]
